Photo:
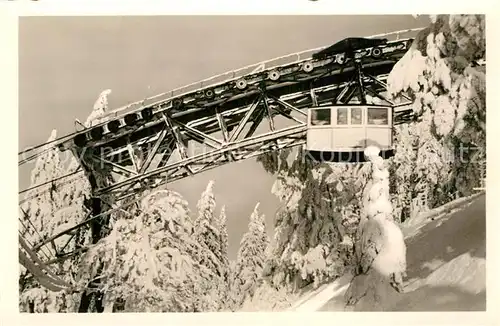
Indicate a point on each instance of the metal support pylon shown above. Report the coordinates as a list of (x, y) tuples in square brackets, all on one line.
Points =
[(99, 175)]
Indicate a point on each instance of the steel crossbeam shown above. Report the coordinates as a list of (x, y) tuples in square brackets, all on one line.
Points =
[(240, 149)]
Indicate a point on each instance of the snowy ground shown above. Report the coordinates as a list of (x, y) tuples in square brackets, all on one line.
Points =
[(446, 260)]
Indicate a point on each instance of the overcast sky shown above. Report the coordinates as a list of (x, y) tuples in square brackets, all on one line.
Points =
[(64, 63)]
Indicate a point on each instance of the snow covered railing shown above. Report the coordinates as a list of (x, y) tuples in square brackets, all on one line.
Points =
[(397, 33), (482, 187)]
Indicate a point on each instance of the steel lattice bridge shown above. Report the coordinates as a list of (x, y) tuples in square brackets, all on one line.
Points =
[(224, 119), (138, 142)]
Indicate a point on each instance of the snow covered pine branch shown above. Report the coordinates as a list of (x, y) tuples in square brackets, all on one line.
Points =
[(381, 250)]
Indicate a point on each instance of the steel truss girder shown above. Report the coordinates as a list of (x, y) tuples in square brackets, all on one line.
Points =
[(230, 125), (220, 160), (326, 72), (239, 148), (225, 89)]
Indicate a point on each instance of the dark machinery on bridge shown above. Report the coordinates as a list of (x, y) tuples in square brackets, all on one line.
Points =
[(348, 46)]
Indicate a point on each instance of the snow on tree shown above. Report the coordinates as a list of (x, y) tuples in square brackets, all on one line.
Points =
[(42, 201), (316, 225), (230, 301), (274, 161), (56, 207), (250, 259), (101, 176), (402, 167), (149, 260), (349, 182), (312, 249), (207, 227), (269, 298), (51, 209), (288, 188), (433, 166), (208, 230), (425, 171), (224, 243), (421, 169), (71, 194), (224, 239), (381, 249), (224, 246), (441, 74), (99, 109)]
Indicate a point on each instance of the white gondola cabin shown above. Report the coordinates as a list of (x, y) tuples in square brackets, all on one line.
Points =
[(341, 133)]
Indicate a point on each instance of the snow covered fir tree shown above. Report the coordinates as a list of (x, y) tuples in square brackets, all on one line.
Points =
[(160, 254)]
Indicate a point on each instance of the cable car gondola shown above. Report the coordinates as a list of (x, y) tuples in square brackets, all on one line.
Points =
[(341, 133)]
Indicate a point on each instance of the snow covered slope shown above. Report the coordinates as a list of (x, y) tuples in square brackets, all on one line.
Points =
[(446, 259)]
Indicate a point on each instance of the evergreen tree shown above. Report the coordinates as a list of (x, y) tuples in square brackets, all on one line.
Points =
[(208, 234), (207, 227), (149, 261), (42, 201), (250, 259), (315, 227), (402, 169), (99, 109), (49, 210), (440, 73), (381, 245), (231, 300), (222, 221)]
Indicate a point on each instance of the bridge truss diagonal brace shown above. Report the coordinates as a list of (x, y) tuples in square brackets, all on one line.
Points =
[(278, 108), (178, 140), (228, 149), (289, 106), (222, 126), (177, 137), (379, 96), (347, 87), (268, 111), (153, 151), (346, 94), (116, 168), (225, 134), (133, 158), (314, 98), (208, 140), (246, 118)]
